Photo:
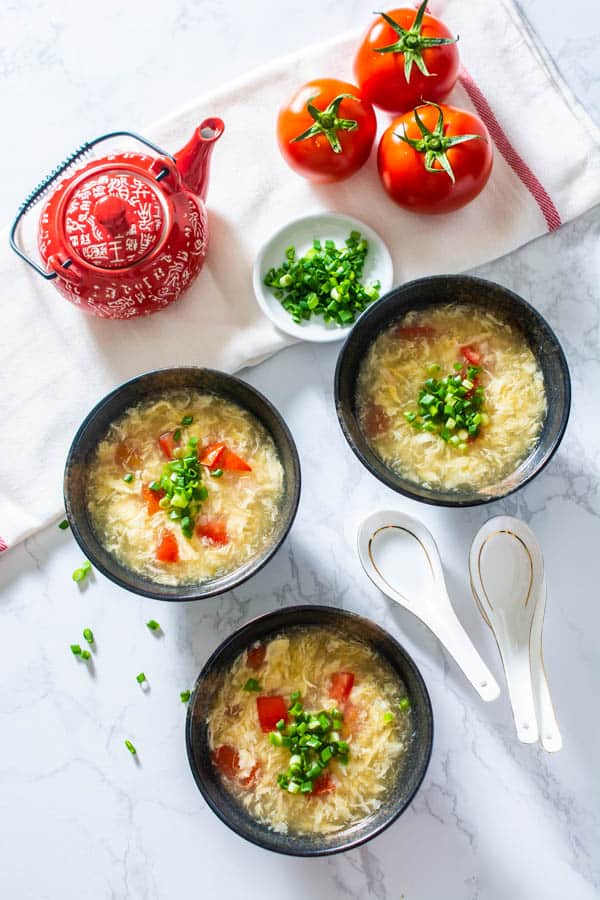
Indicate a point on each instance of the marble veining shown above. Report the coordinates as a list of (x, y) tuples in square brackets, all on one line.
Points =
[(494, 819)]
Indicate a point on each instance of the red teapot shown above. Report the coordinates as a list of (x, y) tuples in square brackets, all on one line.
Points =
[(124, 235)]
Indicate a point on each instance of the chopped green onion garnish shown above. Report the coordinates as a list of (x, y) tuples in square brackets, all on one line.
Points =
[(388, 717), (185, 696), (404, 703), (88, 635), (63, 525), (130, 747), (85, 654), (128, 478), (252, 685), (295, 695), (177, 435), (450, 404), (79, 574), (181, 482), (75, 649), (216, 473), (152, 624), (140, 678), (187, 420), (325, 281)]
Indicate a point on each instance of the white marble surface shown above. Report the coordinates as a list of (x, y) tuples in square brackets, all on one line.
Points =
[(78, 816)]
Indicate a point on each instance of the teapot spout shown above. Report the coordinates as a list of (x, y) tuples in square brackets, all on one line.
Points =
[(193, 160)]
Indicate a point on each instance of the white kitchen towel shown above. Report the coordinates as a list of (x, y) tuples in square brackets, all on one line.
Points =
[(58, 362)]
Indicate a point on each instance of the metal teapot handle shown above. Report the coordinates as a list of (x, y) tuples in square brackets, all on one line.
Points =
[(38, 192)]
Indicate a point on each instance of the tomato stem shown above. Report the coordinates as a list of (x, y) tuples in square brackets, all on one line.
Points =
[(434, 144), (327, 122), (411, 42)]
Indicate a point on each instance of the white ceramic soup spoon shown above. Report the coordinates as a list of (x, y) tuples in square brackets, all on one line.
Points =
[(400, 556), (507, 577)]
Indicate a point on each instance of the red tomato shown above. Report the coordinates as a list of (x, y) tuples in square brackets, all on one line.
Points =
[(414, 332), (324, 784), (211, 455), (219, 456), (227, 760), (326, 130), (151, 499), (168, 443), (397, 65), (374, 418), (341, 685), (471, 354), (255, 656), (231, 462), (214, 530), (167, 549), (270, 711), (405, 149)]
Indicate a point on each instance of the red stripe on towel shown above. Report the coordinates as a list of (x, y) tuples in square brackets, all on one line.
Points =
[(516, 162), (3, 545)]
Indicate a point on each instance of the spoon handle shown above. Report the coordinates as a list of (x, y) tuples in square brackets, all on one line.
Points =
[(515, 660), (550, 737), (459, 645)]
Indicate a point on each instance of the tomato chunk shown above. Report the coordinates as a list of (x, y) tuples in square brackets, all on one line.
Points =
[(231, 462), (471, 354), (375, 419), (167, 549), (255, 656), (214, 530), (227, 760), (211, 455), (252, 776), (324, 784), (270, 711), (168, 443), (341, 685), (414, 332), (151, 499)]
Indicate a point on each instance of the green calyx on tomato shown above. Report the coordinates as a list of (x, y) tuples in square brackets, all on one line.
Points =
[(411, 42), (327, 122), (434, 144)]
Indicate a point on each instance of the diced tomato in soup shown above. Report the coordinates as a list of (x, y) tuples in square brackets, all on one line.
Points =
[(324, 784), (255, 656), (167, 549), (168, 443), (151, 499), (270, 711), (341, 685), (471, 354), (214, 530), (375, 419)]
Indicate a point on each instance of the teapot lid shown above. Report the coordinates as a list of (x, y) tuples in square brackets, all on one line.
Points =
[(114, 218)]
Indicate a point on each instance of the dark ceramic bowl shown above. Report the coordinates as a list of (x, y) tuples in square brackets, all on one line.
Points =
[(149, 386), (436, 291), (209, 781)]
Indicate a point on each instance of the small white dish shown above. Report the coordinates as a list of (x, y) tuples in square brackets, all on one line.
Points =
[(300, 234)]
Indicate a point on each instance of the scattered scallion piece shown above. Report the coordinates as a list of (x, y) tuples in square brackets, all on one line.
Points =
[(141, 678), (63, 525), (185, 696), (252, 685), (130, 747), (325, 281), (216, 473), (75, 649), (388, 717), (128, 478), (82, 572), (153, 625), (187, 420), (404, 704), (85, 654), (88, 635)]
